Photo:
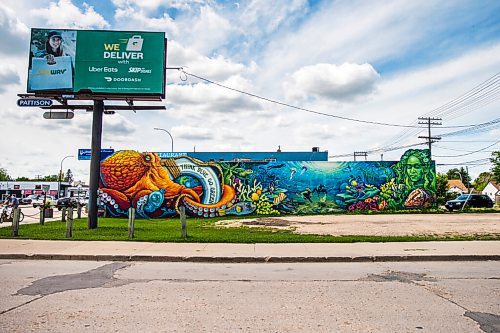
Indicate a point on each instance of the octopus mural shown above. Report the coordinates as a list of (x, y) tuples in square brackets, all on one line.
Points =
[(144, 181), (158, 187)]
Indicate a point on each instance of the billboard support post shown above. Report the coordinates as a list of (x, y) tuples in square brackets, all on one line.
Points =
[(98, 66), (95, 162)]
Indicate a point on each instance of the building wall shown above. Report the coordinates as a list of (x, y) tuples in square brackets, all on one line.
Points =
[(25, 188), (157, 187), (490, 191)]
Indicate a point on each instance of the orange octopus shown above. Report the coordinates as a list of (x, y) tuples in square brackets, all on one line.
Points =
[(127, 175)]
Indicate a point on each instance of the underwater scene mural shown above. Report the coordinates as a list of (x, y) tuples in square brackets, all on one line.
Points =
[(157, 187)]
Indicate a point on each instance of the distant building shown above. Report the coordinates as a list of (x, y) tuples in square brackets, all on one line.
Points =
[(492, 190), (456, 186), (278, 156), (24, 188)]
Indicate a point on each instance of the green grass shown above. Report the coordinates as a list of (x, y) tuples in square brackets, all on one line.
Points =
[(199, 231)]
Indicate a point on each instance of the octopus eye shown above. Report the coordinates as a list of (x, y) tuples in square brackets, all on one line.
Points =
[(147, 158)]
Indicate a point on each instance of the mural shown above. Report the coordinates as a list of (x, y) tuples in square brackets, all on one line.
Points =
[(158, 187)]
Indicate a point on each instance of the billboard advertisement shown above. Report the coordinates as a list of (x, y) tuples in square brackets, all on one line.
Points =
[(101, 62)]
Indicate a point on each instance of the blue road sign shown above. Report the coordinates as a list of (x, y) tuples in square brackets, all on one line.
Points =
[(86, 154)]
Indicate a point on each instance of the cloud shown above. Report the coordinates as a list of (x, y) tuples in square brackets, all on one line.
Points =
[(209, 98), (8, 76), (153, 5), (117, 125), (338, 83), (192, 133), (217, 68), (129, 18), (14, 34), (65, 14)]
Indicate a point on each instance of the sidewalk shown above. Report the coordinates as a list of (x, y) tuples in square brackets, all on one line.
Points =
[(221, 253)]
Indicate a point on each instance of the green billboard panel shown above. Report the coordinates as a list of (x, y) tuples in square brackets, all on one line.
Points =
[(101, 62)]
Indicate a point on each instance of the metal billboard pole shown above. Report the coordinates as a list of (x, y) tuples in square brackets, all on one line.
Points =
[(95, 162)]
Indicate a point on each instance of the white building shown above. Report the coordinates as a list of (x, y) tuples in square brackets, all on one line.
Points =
[(24, 188), (493, 191)]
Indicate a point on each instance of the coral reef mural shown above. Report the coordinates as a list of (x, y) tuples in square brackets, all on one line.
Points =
[(158, 187)]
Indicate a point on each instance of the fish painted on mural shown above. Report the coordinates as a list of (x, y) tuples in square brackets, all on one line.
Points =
[(275, 166), (279, 198), (240, 208)]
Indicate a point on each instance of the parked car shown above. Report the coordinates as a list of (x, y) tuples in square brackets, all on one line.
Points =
[(473, 200), (29, 199), (25, 201), (39, 201), (66, 202)]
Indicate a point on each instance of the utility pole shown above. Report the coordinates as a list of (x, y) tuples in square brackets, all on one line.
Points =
[(360, 153), (429, 121)]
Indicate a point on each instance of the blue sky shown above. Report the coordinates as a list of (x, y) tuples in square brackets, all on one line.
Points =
[(380, 61)]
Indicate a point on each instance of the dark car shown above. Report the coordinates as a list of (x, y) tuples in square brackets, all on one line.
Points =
[(473, 200), (66, 202)]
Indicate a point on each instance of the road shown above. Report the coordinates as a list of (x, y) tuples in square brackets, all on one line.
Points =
[(87, 296)]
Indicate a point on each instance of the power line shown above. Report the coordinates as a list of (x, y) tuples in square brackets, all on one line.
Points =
[(475, 129), (459, 104), (474, 162), (380, 150), (470, 153), (455, 149), (304, 109)]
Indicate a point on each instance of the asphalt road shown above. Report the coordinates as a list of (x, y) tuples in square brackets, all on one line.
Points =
[(61, 296)]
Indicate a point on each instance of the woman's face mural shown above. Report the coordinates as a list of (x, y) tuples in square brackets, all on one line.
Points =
[(414, 169)]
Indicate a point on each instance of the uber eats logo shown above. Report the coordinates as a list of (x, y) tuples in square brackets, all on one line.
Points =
[(133, 48)]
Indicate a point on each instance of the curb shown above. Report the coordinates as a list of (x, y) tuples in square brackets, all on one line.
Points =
[(205, 259)]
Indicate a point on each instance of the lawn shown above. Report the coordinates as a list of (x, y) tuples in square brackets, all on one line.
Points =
[(199, 231)]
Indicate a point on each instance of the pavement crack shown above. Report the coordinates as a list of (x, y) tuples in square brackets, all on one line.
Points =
[(20, 305), (99, 277)]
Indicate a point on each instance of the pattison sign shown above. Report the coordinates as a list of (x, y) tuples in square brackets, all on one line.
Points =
[(104, 62)]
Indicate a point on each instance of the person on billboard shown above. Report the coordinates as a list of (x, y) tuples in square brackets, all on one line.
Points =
[(52, 64), (53, 48)]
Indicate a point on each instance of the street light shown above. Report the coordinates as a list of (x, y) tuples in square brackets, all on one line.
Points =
[(468, 186), (161, 129), (60, 172)]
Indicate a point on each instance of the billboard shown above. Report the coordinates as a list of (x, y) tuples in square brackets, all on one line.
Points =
[(103, 62)]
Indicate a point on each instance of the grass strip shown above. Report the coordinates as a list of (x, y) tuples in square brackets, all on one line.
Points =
[(200, 231)]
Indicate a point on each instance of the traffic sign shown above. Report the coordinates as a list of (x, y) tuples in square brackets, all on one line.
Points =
[(34, 102), (86, 154), (58, 115)]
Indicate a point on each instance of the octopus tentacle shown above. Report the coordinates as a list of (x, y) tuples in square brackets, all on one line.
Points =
[(196, 208)]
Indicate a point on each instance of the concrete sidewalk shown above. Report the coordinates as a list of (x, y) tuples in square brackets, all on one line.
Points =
[(217, 252)]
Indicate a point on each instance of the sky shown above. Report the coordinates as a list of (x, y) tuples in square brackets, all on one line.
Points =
[(384, 62)]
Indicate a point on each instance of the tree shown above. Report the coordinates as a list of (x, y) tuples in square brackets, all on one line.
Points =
[(23, 179), (495, 159), (69, 176), (457, 173), (482, 180), (51, 178), (4, 175), (441, 185)]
